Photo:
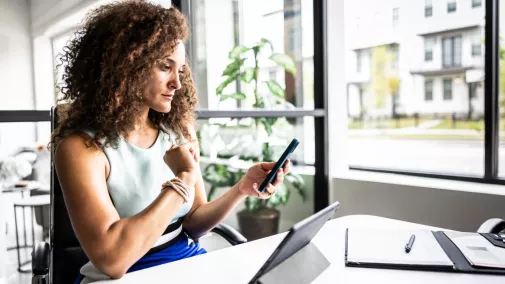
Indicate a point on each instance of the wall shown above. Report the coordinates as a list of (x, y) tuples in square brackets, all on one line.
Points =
[(16, 78), (429, 205), (16, 75)]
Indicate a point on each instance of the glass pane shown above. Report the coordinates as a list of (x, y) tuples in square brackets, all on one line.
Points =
[(275, 73), (228, 147), (407, 118), (501, 151), (34, 163)]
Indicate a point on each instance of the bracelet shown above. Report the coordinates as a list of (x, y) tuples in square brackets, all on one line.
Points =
[(179, 186)]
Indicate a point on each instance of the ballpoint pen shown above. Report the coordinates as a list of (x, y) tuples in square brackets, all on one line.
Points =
[(409, 245)]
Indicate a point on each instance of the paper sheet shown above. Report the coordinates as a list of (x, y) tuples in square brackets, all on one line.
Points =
[(477, 250), (388, 247)]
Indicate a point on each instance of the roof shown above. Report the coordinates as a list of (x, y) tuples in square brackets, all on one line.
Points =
[(442, 71), (451, 30)]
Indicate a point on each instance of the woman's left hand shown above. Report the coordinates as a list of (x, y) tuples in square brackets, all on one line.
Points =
[(255, 175)]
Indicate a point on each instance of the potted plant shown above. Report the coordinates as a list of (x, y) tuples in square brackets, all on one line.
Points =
[(260, 218)]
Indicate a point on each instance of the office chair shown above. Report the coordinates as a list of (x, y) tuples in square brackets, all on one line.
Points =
[(492, 226), (60, 261)]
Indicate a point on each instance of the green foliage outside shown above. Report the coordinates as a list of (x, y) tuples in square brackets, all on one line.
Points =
[(223, 175)]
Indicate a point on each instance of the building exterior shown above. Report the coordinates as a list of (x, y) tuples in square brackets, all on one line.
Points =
[(416, 56)]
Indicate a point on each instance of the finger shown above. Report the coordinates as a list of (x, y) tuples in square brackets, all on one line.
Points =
[(279, 177), (269, 191), (266, 166), (287, 166)]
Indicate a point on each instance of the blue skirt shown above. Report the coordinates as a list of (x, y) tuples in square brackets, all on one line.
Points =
[(179, 250)]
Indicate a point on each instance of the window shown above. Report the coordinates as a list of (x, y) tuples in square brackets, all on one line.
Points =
[(476, 49), (428, 49), (451, 6), (476, 3), (396, 16), (428, 9), (428, 90), (447, 89), (451, 51), (359, 55), (393, 52), (393, 121), (472, 87)]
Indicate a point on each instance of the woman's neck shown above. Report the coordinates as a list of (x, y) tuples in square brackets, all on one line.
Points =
[(143, 133)]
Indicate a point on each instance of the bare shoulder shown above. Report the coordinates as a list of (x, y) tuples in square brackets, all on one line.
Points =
[(77, 146), (76, 151)]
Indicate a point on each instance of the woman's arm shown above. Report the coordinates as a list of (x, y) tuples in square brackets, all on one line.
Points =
[(204, 215), (112, 244)]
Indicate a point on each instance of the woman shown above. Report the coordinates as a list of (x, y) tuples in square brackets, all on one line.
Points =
[(126, 152)]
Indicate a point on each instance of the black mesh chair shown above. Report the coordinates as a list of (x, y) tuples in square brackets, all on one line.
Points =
[(60, 261)]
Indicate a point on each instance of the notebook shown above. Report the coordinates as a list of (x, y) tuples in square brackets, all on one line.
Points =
[(431, 250), (477, 250), (366, 246)]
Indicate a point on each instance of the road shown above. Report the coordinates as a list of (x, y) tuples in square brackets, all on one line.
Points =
[(462, 157)]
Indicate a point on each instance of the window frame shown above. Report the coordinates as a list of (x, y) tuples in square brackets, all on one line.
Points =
[(395, 16), (428, 6), (426, 83), (320, 112), (428, 44), (491, 115), (447, 89), (455, 61), (452, 6), (476, 50)]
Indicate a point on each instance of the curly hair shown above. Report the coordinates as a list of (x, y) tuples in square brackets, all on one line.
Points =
[(107, 65)]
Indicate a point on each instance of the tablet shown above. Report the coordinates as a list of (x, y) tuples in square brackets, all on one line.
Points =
[(298, 236)]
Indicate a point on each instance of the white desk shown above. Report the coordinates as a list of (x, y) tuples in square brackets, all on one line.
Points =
[(240, 263)]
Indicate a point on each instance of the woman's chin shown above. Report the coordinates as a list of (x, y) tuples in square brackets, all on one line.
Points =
[(162, 108)]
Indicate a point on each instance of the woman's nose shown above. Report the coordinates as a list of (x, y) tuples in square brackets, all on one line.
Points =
[(175, 82)]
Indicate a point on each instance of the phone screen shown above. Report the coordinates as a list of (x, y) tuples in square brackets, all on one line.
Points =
[(280, 163)]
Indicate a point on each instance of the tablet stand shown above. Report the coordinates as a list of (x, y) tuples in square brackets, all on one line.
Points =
[(301, 268)]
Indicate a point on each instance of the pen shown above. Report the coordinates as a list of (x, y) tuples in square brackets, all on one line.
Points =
[(409, 245)]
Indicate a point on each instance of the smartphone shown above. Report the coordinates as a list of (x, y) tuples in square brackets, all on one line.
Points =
[(280, 163)]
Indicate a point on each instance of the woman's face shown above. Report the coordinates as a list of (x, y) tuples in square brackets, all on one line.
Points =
[(165, 80)]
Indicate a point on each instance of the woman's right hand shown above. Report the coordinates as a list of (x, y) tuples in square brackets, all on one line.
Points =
[(181, 161)]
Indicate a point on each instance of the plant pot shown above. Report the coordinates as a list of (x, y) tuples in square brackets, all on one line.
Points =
[(260, 224)]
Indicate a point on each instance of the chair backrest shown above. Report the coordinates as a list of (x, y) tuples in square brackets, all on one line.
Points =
[(67, 254)]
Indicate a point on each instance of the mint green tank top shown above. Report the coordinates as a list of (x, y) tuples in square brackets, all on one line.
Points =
[(136, 174)]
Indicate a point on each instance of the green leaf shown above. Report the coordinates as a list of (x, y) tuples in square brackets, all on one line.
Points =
[(237, 51), (233, 68), (252, 204), (264, 41), (298, 183), (268, 125), (248, 75), (227, 81), (212, 192), (275, 88), (236, 96), (285, 61)]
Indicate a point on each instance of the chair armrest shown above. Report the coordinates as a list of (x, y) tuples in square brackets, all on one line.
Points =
[(41, 259), (230, 234), (493, 226)]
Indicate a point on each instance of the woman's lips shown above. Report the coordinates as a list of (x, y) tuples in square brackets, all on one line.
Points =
[(168, 96)]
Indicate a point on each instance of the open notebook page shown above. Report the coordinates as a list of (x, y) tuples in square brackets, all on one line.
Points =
[(477, 250), (388, 247)]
